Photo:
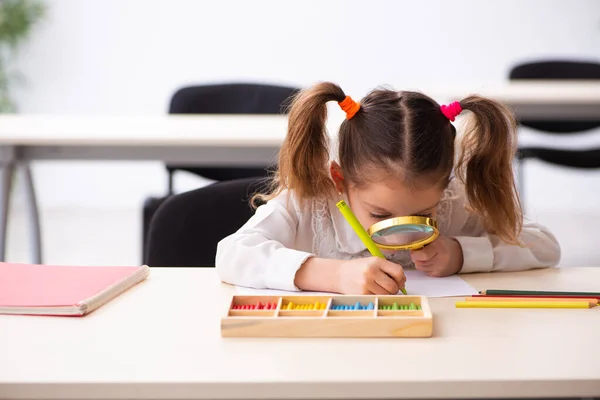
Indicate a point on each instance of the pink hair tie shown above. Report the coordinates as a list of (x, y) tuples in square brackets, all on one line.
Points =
[(451, 110)]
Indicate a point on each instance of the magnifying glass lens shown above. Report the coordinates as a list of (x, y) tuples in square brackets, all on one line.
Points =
[(403, 235)]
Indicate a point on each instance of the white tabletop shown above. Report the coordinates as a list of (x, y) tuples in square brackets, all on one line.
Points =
[(162, 130), (191, 139), (162, 340), (524, 92), (541, 99)]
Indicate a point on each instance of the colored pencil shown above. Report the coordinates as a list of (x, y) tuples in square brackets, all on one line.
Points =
[(494, 292), (591, 301), (511, 296), (523, 304)]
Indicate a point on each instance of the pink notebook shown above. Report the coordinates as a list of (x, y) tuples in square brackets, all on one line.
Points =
[(63, 290)]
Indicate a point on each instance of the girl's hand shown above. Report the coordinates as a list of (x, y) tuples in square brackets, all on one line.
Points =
[(371, 275), (442, 257)]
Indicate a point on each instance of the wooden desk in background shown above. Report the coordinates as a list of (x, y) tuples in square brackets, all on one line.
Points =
[(220, 140), (161, 340)]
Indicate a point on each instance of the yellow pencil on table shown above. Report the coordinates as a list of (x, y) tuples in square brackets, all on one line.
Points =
[(591, 301), (361, 232), (525, 304)]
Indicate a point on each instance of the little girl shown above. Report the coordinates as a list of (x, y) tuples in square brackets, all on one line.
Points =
[(396, 157)]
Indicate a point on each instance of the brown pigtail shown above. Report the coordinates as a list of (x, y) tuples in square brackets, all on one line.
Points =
[(304, 155), (486, 167)]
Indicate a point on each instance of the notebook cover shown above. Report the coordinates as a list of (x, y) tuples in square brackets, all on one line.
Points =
[(30, 285)]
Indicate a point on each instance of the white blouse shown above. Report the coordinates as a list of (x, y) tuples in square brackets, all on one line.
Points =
[(267, 251)]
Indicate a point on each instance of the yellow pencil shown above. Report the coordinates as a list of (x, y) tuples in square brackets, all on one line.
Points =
[(361, 232), (591, 302), (523, 304)]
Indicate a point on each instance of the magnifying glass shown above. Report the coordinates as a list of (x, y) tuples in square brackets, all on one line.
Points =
[(404, 233)]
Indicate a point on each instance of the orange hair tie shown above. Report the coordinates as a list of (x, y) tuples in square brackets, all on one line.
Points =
[(349, 106)]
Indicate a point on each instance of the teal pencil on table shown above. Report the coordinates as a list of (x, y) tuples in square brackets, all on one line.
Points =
[(361, 232)]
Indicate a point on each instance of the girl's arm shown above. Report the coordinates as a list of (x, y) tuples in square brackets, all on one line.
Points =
[(485, 252), (261, 253)]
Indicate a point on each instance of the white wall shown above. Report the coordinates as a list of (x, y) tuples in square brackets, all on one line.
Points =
[(128, 56)]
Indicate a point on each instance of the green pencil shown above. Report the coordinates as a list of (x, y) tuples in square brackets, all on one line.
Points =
[(360, 231), (494, 292)]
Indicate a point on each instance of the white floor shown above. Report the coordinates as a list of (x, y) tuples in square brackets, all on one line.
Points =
[(113, 237), (80, 236)]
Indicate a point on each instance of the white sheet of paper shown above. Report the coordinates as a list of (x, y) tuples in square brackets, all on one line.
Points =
[(417, 283), (420, 284)]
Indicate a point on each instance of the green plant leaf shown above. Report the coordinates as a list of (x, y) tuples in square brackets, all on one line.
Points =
[(17, 18)]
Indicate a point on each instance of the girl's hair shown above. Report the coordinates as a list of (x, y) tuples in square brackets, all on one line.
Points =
[(404, 135)]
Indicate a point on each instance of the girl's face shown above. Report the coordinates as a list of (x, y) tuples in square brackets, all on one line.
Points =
[(382, 200), (385, 199)]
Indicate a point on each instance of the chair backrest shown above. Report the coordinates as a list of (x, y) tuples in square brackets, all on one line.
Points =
[(229, 98), (558, 70), (187, 227), (232, 98)]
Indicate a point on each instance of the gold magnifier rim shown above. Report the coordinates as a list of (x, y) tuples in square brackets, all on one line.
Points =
[(413, 220)]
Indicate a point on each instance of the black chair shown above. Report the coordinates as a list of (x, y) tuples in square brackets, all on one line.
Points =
[(187, 227), (234, 98), (587, 158), (231, 98)]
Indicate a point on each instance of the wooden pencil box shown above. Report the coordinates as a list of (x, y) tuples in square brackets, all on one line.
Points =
[(341, 316)]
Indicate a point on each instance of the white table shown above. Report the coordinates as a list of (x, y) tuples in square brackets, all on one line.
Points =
[(221, 140), (161, 340), (197, 140), (539, 100)]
